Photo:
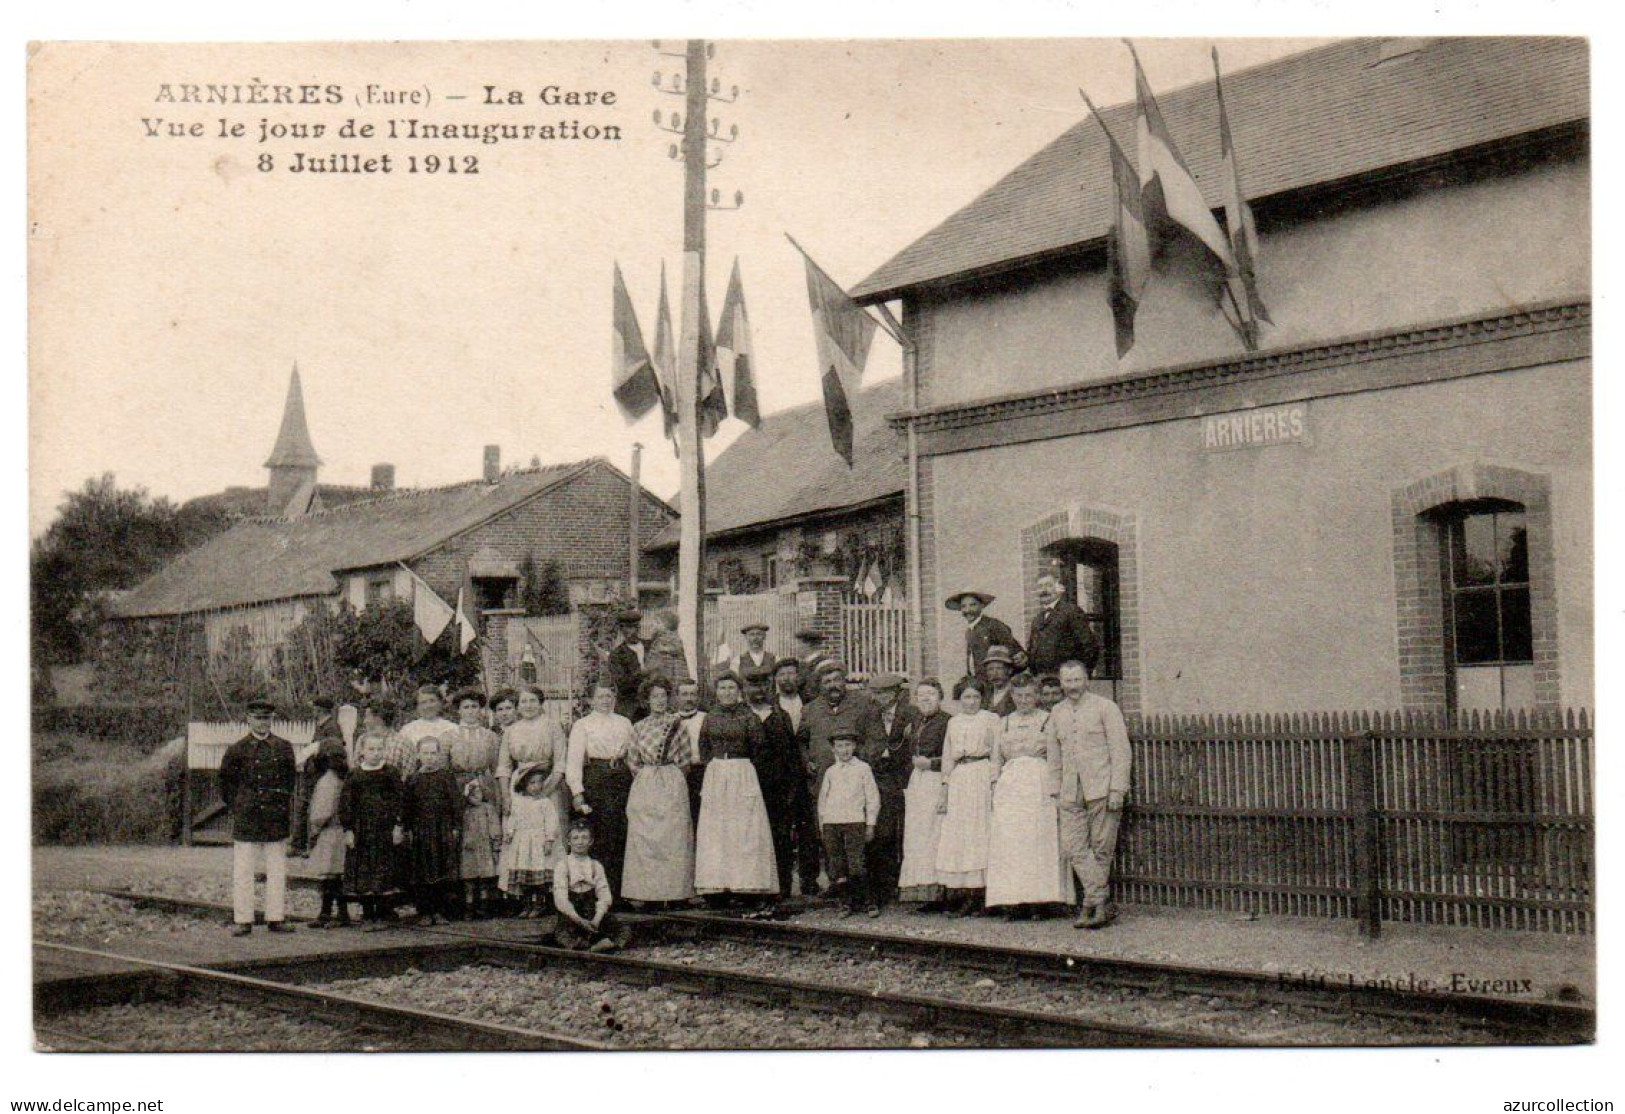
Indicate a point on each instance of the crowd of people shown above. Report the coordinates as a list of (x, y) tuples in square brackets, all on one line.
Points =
[(787, 781)]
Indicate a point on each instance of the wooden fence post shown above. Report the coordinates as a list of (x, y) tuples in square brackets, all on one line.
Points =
[(1363, 816)]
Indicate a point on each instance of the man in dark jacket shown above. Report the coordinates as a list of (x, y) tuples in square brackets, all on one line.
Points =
[(891, 759), (257, 778), (626, 664), (778, 769), (1059, 632), (983, 631)]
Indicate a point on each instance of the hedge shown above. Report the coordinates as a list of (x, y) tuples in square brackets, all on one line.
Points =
[(144, 727)]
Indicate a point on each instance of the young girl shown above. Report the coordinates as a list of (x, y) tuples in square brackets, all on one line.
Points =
[(370, 811), (530, 838), (433, 816), (482, 839), (327, 833), (966, 804)]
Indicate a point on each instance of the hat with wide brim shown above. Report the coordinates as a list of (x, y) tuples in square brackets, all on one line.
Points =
[(952, 602), (524, 771)]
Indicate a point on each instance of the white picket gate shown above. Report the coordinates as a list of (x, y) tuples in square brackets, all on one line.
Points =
[(875, 638)]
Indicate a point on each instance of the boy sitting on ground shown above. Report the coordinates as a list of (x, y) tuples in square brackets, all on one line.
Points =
[(581, 893)]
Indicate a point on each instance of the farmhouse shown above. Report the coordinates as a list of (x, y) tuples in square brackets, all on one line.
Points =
[(266, 573)]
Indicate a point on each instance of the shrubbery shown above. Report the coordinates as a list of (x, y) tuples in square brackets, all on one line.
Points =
[(88, 790)]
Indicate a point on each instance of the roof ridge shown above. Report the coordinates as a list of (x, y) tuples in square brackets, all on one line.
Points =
[(402, 493)]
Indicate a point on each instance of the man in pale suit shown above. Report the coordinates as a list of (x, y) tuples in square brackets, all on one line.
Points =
[(1095, 760)]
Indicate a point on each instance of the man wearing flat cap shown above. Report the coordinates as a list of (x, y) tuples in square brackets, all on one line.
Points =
[(755, 657), (810, 648), (891, 758), (982, 631), (257, 777), (626, 664)]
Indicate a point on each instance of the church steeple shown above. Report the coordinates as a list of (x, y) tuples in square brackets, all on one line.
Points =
[(293, 461)]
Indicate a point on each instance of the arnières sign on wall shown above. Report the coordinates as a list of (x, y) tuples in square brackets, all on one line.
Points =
[(1252, 429)]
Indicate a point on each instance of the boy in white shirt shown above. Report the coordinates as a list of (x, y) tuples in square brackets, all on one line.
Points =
[(583, 897), (848, 806)]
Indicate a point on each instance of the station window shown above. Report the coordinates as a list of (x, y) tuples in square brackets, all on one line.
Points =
[(1489, 645), (1088, 571)]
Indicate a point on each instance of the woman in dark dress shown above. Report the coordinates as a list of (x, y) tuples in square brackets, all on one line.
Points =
[(922, 824), (733, 845), (432, 814), (370, 811)]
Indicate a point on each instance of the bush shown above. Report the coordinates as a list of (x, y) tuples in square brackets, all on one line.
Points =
[(144, 728), (89, 790)]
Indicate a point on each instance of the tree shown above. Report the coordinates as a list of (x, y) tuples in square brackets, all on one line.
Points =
[(103, 539), (543, 591), (382, 644)]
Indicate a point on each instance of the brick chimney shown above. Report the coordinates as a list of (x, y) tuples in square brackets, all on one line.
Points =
[(383, 477), (493, 463)]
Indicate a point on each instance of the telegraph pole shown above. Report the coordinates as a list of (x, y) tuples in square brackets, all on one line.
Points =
[(694, 151), (691, 545)]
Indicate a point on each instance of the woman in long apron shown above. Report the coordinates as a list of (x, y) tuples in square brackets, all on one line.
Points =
[(922, 823), (595, 767), (733, 844), (966, 803), (1024, 865), (659, 828)]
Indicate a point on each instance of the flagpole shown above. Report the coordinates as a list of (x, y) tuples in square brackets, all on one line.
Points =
[(691, 539)]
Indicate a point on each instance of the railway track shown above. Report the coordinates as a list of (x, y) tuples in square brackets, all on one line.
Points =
[(1514, 1021), (1046, 999), (154, 980), (989, 1025)]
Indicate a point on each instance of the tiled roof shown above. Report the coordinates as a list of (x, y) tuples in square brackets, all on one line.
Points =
[(787, 468), (249, 502), (264, 559), (1351, 108)]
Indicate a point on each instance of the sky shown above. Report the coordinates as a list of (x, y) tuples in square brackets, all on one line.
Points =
[(173, 285)]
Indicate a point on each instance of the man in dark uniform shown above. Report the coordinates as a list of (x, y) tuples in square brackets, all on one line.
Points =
[(778, 768), (257, 778), (982, 631), (814, 657), (1059, 632), (891, 764), (626, 664)]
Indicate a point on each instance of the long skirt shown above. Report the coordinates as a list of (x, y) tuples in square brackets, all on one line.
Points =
[(526, 862), (962, 846), (922, 827), (606, 786), (733, 846), (659, 837), (1024, 864)]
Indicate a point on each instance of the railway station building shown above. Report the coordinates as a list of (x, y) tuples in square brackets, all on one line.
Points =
[(1388, 505)]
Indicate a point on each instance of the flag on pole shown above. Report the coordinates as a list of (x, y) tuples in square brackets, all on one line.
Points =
[(1238, 218), (430, 613), (466, 632), (636, 386), (1128, 246), (665, 362), (735, 362), (713, 402), (1171, 193), (844, 333)]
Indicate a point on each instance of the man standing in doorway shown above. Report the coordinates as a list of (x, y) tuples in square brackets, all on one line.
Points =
[(1059, 632), (257, 778), (983, 631), (1095, 760)]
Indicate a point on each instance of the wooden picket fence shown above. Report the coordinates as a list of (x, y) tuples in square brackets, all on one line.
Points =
[(874, 638), (1479, 819)]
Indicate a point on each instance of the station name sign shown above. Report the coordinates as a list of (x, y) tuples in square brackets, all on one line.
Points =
[(1251, 429)]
